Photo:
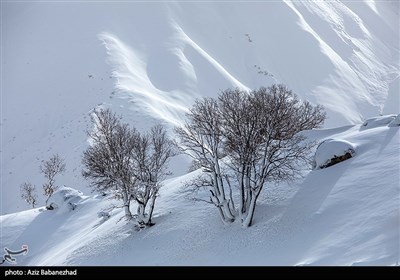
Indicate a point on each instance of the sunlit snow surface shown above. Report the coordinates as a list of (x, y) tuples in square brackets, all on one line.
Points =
[(346, 214), (149, 61)]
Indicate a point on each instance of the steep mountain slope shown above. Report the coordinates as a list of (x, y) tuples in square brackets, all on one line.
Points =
[(161, 56), (347, 214)]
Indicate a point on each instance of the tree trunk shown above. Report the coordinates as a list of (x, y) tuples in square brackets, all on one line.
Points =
[(222, 198), (128, 214), (250, 213), (249, 193), (252, 208), (152, 203), (215, 200), (221, 214), (231, 201), (227, 211), (242, 205), (249, 198), (141, 214), (126, 201)]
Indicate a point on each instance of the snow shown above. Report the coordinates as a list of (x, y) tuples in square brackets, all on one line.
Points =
[(103, 214), (347, 214), (378, 121), (331, 148), (395, 122), (149, 61), (64, 199)]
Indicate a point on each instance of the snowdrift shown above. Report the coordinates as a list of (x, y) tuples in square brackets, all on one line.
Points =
[(347, 214), (64, 199), (380, 121), (332, 151), (149, 62)]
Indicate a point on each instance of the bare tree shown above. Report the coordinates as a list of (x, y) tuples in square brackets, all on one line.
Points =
[(240, 138), (259, 133), (201, 138), (50, 168), (108, 161), (264, 142), (28, 193), (127, 163), (151, 155)]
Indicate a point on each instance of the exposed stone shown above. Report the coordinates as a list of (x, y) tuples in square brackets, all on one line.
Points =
[(337, 159)]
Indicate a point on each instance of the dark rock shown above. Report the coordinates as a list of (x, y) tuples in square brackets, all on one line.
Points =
[(337, 159)]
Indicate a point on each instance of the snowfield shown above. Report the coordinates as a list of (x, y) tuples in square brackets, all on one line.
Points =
[(149, 61), (346, 214)]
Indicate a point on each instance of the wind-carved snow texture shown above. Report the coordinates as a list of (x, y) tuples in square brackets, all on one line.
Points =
[(162, 56), (149, 62), (379, 121), (164, 83), (334, 61)]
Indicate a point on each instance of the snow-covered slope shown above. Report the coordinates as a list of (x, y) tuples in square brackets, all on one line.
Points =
[(162, 55), (346, 214)]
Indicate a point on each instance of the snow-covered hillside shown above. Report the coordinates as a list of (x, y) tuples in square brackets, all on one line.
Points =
[(347, 214), (149, 61)]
